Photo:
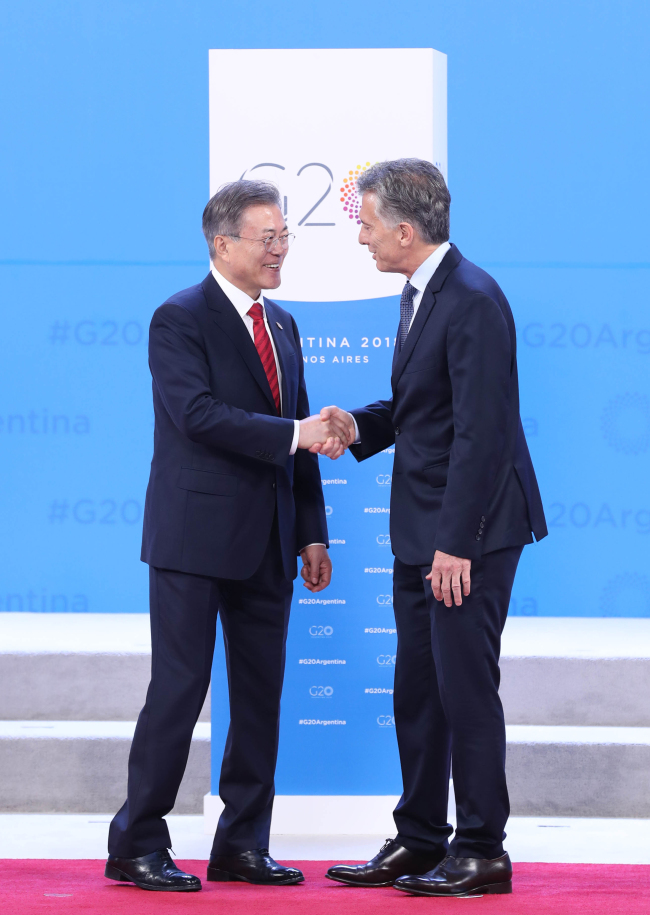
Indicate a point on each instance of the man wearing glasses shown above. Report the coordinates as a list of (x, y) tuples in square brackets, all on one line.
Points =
[(234, 496)]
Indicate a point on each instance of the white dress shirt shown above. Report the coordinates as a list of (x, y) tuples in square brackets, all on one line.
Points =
[(242, 303), (420, 280), (422, 276)]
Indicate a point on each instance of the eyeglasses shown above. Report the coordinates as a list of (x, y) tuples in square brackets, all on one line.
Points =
[(270, 243)]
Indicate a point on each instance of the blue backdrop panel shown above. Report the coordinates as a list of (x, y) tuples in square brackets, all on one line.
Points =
[(76, 425), (584, 352)]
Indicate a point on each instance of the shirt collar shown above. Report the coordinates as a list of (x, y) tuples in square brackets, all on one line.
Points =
[(239, 299), (422, 276)]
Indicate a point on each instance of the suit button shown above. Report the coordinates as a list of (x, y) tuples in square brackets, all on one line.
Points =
[(478, 536), (482, 517), (273, 485), (482, 525), (397, 430)]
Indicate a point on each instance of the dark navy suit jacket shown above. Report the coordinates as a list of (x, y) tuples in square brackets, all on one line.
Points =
[(463, 480), (221, 459)]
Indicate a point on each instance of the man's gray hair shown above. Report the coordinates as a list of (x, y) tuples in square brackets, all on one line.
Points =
[(413, 191), (223, 213)]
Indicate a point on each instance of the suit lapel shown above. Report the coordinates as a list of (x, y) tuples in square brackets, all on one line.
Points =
[(226, 316), (287, 363), (451, 260)]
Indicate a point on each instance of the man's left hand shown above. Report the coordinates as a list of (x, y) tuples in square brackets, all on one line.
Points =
[(317, 567), (450, 575)]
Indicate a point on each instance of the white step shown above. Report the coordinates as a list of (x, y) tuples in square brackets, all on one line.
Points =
[(578, 771), (555, 670), (576, 671), (560, 840), (75, 666), (81, 766), (78, 766)]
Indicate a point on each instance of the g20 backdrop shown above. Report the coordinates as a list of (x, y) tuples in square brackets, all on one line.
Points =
[(104, 176), (337, 702)]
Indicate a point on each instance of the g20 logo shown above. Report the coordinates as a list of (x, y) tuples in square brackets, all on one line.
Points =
[(386, 660), (321, 632), (321, 692), (384, 479), (383, 539), (315, 203), (328, 510), (386, 721), (385, 600)]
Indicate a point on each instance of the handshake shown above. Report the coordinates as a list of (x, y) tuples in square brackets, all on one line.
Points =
[(328, 433)]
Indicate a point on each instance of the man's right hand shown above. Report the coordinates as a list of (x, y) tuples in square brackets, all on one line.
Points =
[(318, 435), (342, 424), (450, 578)]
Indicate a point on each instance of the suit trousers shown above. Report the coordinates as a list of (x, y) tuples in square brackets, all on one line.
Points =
[(254, 617), (447, 708)]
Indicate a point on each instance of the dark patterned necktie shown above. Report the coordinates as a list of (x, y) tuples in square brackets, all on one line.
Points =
[(406, 312), (265, 350)]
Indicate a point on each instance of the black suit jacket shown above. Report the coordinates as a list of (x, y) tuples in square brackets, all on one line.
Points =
[(463, 481), (221, 459)]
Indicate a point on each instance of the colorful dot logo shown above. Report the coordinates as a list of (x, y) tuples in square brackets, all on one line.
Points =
[(349, 196)]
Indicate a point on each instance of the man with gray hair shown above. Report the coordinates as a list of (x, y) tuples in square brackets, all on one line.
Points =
[(234, 496), (464, 502)]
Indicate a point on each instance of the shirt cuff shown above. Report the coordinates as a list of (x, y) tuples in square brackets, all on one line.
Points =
[(312, 544), (357, 437), (296, 435)]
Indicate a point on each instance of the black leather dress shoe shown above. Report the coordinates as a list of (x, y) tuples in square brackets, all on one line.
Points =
[(461, 877), (156, 871), (255, 866), (391, 862)]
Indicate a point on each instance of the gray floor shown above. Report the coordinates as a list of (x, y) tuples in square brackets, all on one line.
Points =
[(568, 840)]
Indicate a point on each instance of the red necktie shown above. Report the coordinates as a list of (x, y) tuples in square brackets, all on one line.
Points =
[(265, 350)]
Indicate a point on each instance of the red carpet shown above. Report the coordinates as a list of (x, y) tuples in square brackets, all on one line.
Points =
[(539, 889)]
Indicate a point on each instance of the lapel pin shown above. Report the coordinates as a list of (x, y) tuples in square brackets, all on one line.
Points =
[(279, 325)]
